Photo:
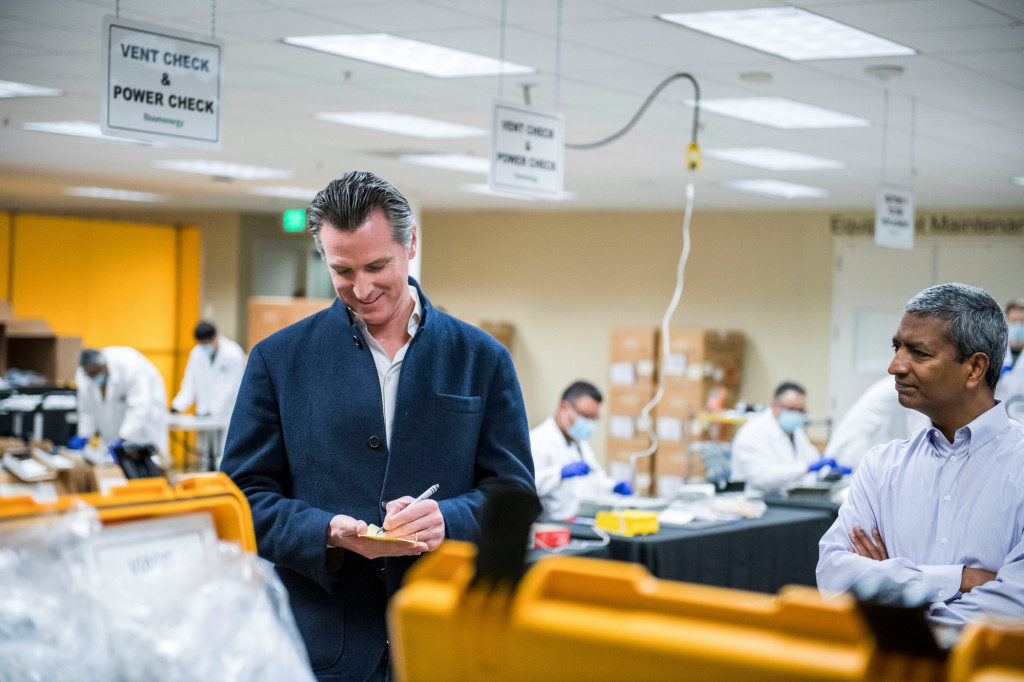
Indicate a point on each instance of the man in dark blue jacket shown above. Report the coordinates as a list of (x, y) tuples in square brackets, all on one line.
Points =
[(344, 417)]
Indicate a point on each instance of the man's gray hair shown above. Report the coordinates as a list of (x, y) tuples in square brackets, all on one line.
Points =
[(346, 203), (90, 357), (976, 322)]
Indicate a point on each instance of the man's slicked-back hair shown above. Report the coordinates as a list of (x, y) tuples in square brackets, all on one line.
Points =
[(976, 322), (788, 386), (346, 203), (578, 389)]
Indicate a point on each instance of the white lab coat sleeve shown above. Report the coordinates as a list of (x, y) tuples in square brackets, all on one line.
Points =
[(142, 397), (839, 569), (748, 452), (86, 408), (229, 393), (853, 437), (187, 394), (548, 471)]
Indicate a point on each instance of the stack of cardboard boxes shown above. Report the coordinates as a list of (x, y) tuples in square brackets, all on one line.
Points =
[(634, 352), (703, 370)]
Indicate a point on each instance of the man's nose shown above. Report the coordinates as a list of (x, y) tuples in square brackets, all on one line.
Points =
[(898, 364), (363, 286)]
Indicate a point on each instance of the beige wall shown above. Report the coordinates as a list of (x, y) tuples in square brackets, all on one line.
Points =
[(565, 278)]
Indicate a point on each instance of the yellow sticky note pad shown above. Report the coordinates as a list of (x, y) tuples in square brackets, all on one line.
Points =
[(376, 533)]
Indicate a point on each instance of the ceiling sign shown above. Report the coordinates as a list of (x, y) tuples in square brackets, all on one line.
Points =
[(527, 151), (894, 217), (161, 85)]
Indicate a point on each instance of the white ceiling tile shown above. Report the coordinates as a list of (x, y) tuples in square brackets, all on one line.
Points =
[(913, 15)]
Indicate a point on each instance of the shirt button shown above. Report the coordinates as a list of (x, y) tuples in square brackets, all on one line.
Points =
[(946, 498), (953, 458), (942, 593), (943, 540)]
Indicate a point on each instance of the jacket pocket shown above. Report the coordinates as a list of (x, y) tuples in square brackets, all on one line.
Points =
[(470, 404)]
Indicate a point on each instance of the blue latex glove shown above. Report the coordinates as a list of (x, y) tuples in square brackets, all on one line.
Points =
[(571, 469), (822, 463), (846, 471), (113, 446), (623, 488), (77, 442)]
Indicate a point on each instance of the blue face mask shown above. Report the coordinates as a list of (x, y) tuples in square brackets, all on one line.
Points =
[(100, 380), (582, 429), (1016, 330), (209, 350), (790, 421)]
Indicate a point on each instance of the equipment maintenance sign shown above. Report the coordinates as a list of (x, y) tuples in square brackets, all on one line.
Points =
[(527, 151), (894, 217), (160, 85)]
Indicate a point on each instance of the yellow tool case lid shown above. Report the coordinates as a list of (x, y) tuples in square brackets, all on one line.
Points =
[(148, 498)]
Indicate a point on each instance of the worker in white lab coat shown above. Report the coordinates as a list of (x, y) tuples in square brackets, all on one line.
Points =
[(565, 466), (876, 418), (212, 377), (121, 396), (1010, 388), (771, 452)]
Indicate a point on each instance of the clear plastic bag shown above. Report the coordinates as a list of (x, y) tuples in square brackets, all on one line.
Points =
[(217, 614)]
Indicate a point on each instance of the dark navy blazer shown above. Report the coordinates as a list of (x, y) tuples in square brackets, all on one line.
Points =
[(307, 442)]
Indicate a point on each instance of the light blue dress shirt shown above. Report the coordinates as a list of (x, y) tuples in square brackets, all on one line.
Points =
[(939, 507)]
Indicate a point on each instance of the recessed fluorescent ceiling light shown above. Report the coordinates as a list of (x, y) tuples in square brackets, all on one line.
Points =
[(775, 188), (484, 188), (773, 159), (1017, 181), (79, 129), (403, 124), (455, 162), (780, 112), (116, 194), (222, 169), (410, 55), (285, 192), (789, 32), (12, 89)]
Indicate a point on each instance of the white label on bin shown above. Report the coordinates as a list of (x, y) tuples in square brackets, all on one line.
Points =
[(668, 486), (622, 427), (645, 368), (695, 372), (675, 365), (622, 374), (670, 429)]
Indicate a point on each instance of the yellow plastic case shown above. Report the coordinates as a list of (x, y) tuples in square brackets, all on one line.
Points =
[(574, 618), (629, 522), (148, 498)]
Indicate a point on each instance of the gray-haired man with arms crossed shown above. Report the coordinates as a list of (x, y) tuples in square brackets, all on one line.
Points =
[(944, 509)]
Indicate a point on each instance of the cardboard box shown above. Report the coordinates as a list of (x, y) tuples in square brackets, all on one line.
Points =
[(617, 463), (269, 314), (103, 478), (625, 403), (31, 344), (633, 356), (43, 492), (502, 331), (677, 460), (704, 354)]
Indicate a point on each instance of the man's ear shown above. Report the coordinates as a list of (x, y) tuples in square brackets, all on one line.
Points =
[(413, 243), (977, 368)]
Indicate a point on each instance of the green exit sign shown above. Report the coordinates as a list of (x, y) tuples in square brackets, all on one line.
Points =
[(294, 220)]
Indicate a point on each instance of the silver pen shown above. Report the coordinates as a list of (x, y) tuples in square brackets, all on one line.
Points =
[(422, 496)]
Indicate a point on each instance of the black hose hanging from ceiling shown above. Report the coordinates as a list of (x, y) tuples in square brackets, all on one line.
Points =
[(643, 107)]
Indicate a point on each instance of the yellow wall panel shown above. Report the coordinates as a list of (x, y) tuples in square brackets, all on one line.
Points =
[(189, 249), (112, 283), (5, 256)]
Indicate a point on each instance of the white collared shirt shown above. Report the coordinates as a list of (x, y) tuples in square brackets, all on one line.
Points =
[(388, 369)]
